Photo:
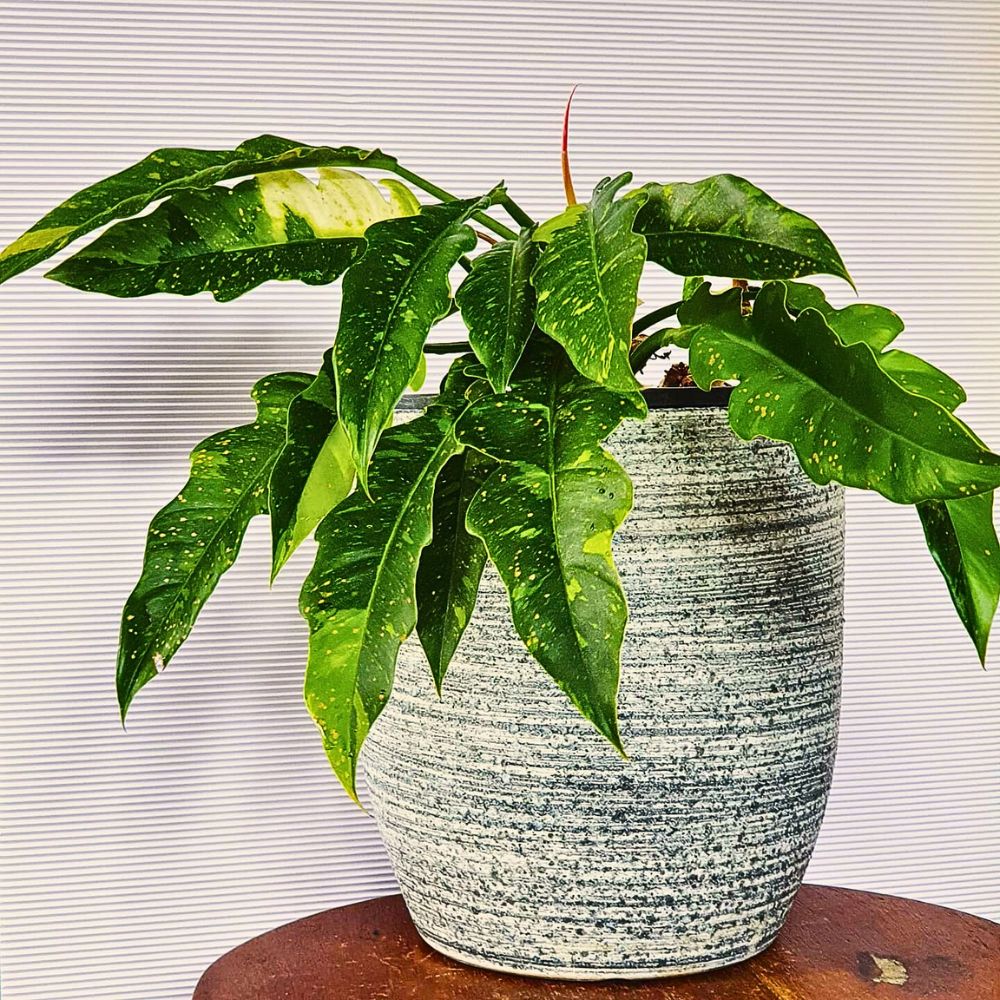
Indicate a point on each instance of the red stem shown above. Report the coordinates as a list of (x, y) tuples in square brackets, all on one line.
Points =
[(567, 177)]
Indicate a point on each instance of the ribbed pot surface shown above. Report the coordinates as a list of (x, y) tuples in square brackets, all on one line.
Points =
[(523, 842)]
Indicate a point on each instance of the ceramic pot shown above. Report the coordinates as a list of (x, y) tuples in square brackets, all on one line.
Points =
[(523, 842)]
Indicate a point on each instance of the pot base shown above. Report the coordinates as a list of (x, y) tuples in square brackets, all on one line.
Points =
[(581, 975)]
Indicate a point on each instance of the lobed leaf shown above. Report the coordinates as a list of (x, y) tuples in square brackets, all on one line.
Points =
[(858, 323), (547, 516), (846, 418), (727, 226), (359, 598), (392, 297), (587, 281), (163, 173), (313, 471), (196, 537), (498, 305), (878, 327), (277, 226)]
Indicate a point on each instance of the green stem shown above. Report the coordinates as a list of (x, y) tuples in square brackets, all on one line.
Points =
[(518, 214), (481, 217), (650, 319), (642, 352), (453, 347)]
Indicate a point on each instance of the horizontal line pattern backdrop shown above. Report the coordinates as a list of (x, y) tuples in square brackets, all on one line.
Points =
[(129, 862)]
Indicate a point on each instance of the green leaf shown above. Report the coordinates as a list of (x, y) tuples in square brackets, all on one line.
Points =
[(587, 280), (847, 419), (691, 285), (196, 537), (547, 516), (727, 226), (878, 327), (498, 305), (278, 226), (165, 172), (392, 297), (452, 564), (858, 323), (359, 598), (963, 541), (313, 472)]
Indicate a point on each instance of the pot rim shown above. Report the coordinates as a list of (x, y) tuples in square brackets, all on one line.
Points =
[(657, 398)]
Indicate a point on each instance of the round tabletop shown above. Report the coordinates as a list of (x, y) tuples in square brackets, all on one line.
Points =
[(838, 944)]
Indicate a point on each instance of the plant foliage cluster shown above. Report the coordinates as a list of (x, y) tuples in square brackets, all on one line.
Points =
[(507, 463)]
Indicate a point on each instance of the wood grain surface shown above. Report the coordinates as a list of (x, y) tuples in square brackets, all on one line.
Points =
[(838, 944)]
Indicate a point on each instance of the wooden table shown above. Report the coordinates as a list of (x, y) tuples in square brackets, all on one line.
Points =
[(837, 945)]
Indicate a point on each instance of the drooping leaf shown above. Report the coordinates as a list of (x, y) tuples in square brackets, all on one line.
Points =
[(359, 598), (452, 564), (165, 172), (857, 323), (963, 542), (498, 305), (727, 226), (878, 327), (846, 418), (196, 537), (392, 297), (587, 280), (547, 516), (313, 471), (277, 226)]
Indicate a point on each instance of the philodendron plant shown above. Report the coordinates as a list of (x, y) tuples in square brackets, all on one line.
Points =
[(507, 462)]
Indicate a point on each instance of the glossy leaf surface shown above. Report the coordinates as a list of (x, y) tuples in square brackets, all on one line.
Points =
[(452, 564), (163, 173), (278, 226), (860, 323), (392, 297), (587, 280), (359, 599), (846, 418), (313, 471), (725, 225), (547, 516), (195, 538), (963, 542), (498, 305)]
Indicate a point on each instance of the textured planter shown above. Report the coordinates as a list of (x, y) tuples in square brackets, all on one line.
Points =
[(523, 842)]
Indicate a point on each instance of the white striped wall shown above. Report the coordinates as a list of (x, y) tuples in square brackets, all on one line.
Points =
[(129, 862)]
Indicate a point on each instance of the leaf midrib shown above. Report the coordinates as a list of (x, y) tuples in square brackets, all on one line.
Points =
[(265, 469), (742, 240), (390, 319), (756, 348)]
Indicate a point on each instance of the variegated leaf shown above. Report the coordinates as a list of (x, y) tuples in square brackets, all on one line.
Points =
[(547, 516), (587, 280), (359, 599), (725, 225), (963, 542), (275, 227), (392, 297), (847, 419), (876, 326), (163, 173), (313, 471), (195, 538), (498, 305)]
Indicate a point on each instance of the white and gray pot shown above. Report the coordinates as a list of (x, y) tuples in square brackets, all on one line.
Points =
[(523, 842)]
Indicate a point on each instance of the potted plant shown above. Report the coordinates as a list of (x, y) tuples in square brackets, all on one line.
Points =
[(562, 792)]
